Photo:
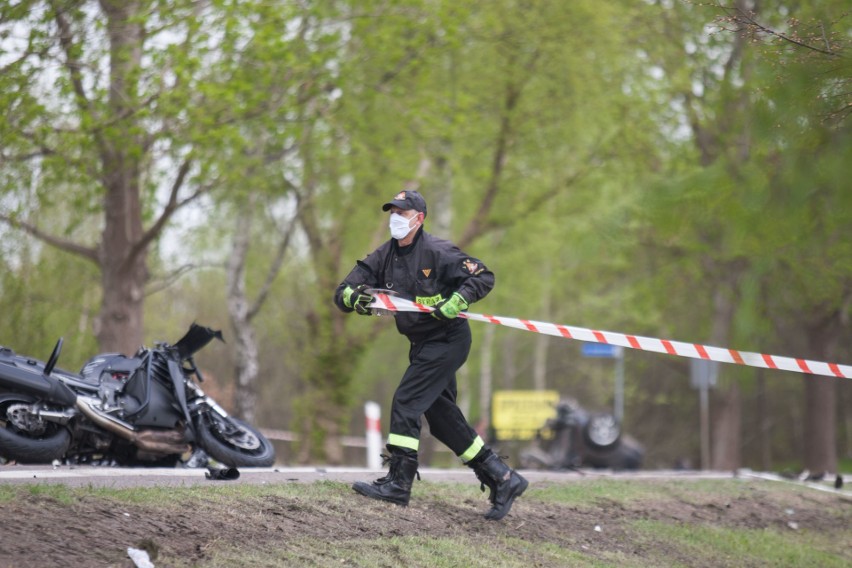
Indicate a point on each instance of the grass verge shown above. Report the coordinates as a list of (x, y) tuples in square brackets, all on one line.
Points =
[(587, 523)]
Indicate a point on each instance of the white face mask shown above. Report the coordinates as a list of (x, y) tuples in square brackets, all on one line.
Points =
[(399, 226)]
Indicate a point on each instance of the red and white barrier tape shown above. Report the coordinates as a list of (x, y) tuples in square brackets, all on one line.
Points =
[(693, 350)]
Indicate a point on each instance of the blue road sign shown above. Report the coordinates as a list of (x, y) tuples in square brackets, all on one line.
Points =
[(601, 350)]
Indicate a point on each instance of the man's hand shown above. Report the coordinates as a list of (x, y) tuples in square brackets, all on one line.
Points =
[(450, 308), (357, 299)]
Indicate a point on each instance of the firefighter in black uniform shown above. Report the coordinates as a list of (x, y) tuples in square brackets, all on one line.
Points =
[(435, 273)]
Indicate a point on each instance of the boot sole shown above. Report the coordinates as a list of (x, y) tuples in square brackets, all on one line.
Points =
[(366, 490), (494, 515)]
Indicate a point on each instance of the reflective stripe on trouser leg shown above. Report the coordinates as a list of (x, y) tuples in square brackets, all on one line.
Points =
[(403, 442), (429, 377), (474, 448)]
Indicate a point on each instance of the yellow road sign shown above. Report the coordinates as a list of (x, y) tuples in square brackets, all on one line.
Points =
[(518, 414)]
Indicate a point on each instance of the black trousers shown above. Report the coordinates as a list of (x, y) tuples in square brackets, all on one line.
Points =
[(429, 388)]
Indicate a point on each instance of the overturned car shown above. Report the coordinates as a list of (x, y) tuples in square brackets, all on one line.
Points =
[(576, 438)]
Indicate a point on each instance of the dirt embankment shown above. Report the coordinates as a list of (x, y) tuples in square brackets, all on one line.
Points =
[(94, 530)]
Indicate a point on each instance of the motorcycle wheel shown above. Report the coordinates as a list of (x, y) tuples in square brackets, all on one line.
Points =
[(602, 431), (233, 443), (23, 447)]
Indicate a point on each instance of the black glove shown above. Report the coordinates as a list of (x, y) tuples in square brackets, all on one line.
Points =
[(357, 299)]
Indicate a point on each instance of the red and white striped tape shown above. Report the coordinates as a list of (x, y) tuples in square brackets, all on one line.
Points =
[(693, 350)]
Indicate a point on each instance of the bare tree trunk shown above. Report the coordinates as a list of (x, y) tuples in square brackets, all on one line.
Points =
[(821, 402), (123, 261), (333, 447), (304, 448), (465, 394), (441, 197), (247, 367), (247, 371), (727, 442), (542, 342), (764, 422), (510, 370), (820, 429), (119, 327), (242, 309), (726, 427), (846, 416), (486, 377)]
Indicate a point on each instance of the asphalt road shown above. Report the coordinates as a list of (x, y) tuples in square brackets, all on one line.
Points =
[(117, 477)]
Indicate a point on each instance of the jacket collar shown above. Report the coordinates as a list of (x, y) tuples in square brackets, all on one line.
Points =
[(402, 251)]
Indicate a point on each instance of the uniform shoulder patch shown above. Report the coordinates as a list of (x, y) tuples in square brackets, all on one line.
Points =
[(471, 265), (426, 272)]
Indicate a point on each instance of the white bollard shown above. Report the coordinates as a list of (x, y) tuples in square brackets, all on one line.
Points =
[(373, 412)]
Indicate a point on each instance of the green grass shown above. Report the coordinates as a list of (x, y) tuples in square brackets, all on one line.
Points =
[(645, 523), (663, 545), (585, 492), (594, 491), (60, 493), (408, 552), (739, 547), (177, 496)]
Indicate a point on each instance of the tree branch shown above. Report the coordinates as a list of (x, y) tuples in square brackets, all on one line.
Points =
[(514, 90), (173, 276), (6, 69), (274, 269), (72, 65), (748, 23), (171, 206), (477, 224), (89, 253)]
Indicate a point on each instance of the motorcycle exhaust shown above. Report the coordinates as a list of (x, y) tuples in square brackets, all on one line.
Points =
[(155, 441)]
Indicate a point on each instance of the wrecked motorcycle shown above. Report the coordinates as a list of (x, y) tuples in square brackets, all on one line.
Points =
[(147, 409), (576, 438)]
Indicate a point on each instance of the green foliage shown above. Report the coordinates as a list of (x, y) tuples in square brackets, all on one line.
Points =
[(627, 163), (34, 294)]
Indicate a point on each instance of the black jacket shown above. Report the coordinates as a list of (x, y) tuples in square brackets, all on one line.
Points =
[(427, 271)]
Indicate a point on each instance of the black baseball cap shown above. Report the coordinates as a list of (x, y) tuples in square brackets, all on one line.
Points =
[(408, 199)]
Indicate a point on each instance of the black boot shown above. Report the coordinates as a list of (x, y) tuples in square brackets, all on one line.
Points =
[(505, 483), (396, 485)]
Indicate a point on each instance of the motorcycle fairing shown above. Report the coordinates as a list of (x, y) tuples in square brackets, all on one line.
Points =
[(161, 410), (115, 364), (195, 339), (145, 399)]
